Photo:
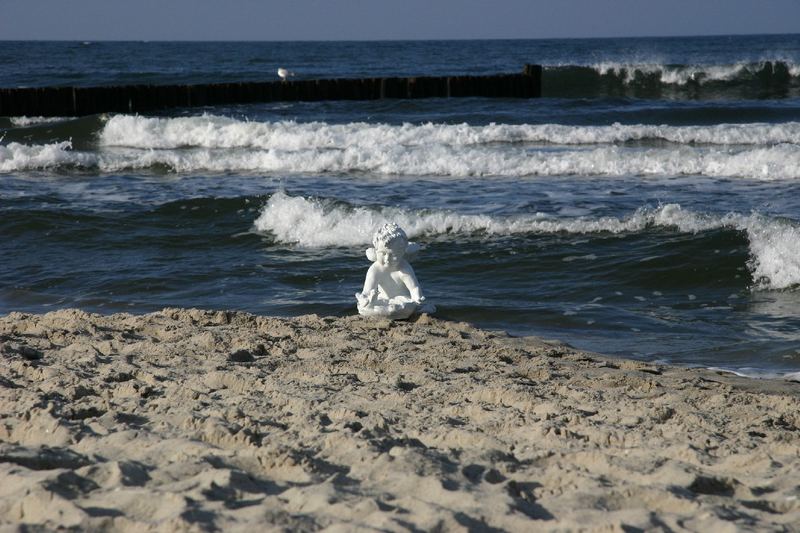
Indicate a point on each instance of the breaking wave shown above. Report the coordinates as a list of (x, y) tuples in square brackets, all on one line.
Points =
[(741, 80), (774, 243), (209, 131), (219, 144), (23, 122)]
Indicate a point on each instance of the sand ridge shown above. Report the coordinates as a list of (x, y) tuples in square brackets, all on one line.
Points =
[(191, 420)]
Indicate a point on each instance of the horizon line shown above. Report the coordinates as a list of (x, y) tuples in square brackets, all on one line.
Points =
[(454, 39)]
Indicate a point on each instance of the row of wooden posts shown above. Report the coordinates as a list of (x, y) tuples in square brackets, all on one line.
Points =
[(77, 101)]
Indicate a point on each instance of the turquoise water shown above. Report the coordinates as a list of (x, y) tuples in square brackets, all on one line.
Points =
[(647, 206)]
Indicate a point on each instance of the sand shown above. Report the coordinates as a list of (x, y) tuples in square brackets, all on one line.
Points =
[(189, 420)]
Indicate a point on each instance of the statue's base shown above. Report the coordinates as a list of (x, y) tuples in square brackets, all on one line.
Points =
[(391, 309), (398, 308)]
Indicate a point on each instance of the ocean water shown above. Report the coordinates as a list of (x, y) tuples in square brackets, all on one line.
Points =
[(647, 206)]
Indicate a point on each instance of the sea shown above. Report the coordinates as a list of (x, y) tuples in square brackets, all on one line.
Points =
[(647, 206)]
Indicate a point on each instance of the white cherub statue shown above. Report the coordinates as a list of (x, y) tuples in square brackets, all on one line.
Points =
[(391, 289)]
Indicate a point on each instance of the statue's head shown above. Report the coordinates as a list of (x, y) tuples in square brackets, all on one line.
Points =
[(390, 244), (391, 236)]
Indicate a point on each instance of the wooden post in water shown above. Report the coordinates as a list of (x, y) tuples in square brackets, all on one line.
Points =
[(77, 101)]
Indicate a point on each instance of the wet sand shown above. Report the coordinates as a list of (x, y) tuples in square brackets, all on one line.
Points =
[(189, 420)]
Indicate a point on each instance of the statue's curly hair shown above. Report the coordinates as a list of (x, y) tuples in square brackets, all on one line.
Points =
[(389, 235)]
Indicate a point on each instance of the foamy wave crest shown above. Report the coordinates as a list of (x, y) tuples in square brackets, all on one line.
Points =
[(775, 252), (225, 144), (701, 74), (775, 162), (16, 156), (313, 223), (32, 121), (209, 131), (316, 223)]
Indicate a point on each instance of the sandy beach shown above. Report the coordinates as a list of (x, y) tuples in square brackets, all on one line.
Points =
[(190, 420)]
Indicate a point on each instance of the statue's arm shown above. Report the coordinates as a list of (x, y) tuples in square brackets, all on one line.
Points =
[(410, 281), (370, 282), (368, 295)]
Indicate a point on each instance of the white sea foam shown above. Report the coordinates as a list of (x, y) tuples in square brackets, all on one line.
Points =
[(209, 131), (218, 144), (683, 74), (31, 121), (775, 253), (774, 244), (779, 162), (757, 373), (16, 156), (318, 223)]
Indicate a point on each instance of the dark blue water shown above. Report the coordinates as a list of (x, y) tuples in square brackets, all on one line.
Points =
[(647, 206)]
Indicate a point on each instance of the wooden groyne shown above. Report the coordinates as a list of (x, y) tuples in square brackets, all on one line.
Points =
[(77, 101)]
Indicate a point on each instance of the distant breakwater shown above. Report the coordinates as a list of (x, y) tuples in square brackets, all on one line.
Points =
[(78, 101)]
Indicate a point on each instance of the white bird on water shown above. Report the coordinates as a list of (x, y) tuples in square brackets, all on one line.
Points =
[(283, 74)]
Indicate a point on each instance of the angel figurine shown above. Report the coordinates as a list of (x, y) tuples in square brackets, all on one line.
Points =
[(391, 289)]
